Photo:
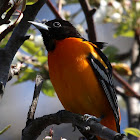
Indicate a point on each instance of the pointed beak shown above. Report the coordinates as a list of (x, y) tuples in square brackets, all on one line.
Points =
[(39, 25)]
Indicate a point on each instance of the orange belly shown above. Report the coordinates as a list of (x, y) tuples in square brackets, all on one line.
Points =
[(75, 82)]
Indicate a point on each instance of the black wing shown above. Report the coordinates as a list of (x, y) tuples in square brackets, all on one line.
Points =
[(100, 45), (105, 78)]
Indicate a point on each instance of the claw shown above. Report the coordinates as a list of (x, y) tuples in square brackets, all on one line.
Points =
[(87, 117), (120, 136)]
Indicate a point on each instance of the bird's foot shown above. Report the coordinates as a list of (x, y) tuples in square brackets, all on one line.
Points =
[(120, 137), (87, 117)]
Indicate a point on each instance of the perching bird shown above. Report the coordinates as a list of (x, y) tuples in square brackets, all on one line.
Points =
[(80, 73)]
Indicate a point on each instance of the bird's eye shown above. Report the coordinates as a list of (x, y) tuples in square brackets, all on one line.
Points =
[(56, 24)]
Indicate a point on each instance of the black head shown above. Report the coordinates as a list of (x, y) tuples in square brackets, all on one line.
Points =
[(56, 29)]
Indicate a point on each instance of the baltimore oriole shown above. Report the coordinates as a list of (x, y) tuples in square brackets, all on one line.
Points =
[(80, 73)]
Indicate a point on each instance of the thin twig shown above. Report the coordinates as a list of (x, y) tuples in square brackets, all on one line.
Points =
[(6, 31), (16, 40), (11, 27), (4, 5), (53, 9), (9, 14), (136, 58), (126, 85), (89, 18), (14, 70), (37, 89)]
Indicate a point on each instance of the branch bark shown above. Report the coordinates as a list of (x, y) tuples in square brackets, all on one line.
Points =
[(38, 86), (126, 85), (18, 37), (53, 9), (34, 129), (133, 103), (4, 5), (89, 18)]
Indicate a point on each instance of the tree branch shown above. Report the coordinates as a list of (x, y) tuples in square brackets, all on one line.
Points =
[(89, 18), (38, 86), (133, 103), (136, 51), (14, 70), (4, 5), (7, 54), (53, 9), (34, 129), (126, 85), (9, 14)]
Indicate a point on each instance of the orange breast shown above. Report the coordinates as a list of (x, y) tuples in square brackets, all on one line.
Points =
[(75, 82)]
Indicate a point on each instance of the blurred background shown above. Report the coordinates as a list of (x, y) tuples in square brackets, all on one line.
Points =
[(116, 22)]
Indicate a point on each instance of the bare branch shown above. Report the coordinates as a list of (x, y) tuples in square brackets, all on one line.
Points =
[(6, 31), (136, 51), (38, 86), (133, 103), (34, 129), (53, 9), (7, 54), (9, 14), (89, 18), (126, 85), (14, 70), (4, 5)]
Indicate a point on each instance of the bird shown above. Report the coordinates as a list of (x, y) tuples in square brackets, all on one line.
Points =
[(80, 72)]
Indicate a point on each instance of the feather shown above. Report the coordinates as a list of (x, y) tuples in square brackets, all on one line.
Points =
[(105, 78)]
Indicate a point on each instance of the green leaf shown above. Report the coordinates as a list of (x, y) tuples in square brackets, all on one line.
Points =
[(111, 52), (129, 33), (5, 40), (5, 129), (71, 1), (48, 89), (125, 29), (31, 2), (42, 59), (30, 47), (28, 74), (132, 131)]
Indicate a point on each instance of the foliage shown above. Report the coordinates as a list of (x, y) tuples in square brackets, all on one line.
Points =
[(122, 68), (5, 40), (33, 55), (130, 21), (124, 13), (5, 129), (132, 131), (111, 52), (47, 88), (30, 2)]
